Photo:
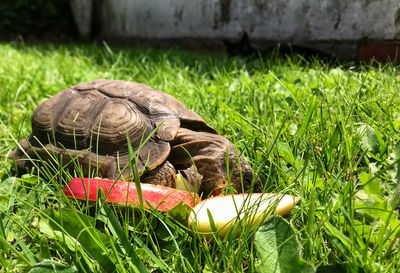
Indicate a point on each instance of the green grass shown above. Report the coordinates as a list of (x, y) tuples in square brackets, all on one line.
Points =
[(328, 133)]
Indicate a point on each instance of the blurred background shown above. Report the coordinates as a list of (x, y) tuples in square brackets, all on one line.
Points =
[(37, 20), (349, 30)]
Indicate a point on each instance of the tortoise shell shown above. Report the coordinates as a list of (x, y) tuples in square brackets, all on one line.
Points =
[(94, 120)]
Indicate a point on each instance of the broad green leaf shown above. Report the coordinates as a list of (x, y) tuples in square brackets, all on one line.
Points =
[(369, 139), (6, 188), (379, 209), (277, 248), (44, 248), (180, 213), (4, 199), (285, 151), (371, 184), (29, 179), (76, 227), (49, 266), (7, 185), (58, 235)]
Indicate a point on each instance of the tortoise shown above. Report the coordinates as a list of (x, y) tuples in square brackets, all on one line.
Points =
[(94, 123)]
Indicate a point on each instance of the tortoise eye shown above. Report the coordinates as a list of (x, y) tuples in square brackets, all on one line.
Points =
[(247, 178)]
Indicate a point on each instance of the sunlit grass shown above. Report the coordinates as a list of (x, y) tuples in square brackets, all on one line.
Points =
[(325, 132)]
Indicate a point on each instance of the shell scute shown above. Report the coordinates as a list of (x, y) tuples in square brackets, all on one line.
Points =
[(73, 126), (48, 112), (120, 119)]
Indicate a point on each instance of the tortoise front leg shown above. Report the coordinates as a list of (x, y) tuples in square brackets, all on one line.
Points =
[(164, 175)]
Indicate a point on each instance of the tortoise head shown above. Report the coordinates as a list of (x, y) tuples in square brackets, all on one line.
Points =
[(242, 178)]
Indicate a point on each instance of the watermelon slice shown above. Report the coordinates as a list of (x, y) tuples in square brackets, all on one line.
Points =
[(123, 192)]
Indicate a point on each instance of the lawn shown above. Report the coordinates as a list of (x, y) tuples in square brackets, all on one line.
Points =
[(322, 131)]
